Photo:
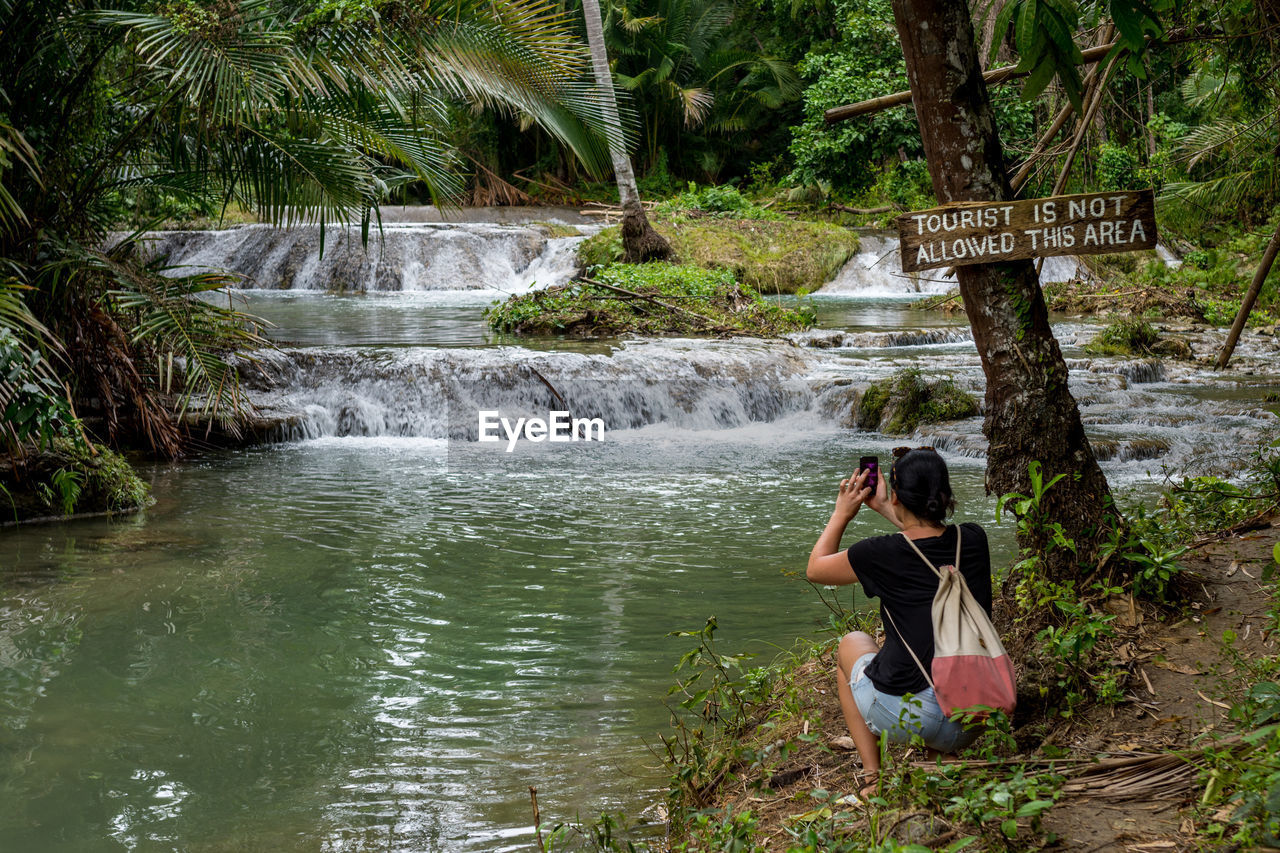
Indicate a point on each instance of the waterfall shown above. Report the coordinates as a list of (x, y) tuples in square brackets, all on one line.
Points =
[(413, 256), (438, 392)]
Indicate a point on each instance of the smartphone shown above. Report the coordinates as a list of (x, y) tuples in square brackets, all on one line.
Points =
[(872, 464)]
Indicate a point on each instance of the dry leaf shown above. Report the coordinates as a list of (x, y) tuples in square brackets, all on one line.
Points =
[(1233, 568), (843, 742), (1188, 826), (1213, 701)]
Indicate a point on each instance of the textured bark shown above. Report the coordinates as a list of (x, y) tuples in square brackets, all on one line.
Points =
[(639, 241), (1031, 414)]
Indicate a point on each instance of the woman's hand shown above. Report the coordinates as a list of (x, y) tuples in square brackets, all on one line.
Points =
[(880, 502), (853, 493)]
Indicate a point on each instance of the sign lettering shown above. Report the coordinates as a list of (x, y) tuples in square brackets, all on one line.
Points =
[(988, 232)]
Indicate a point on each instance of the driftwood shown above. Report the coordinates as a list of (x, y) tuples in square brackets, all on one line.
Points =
[(994, 77)]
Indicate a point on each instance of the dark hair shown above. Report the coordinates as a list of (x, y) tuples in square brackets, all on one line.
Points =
[(921, 482)]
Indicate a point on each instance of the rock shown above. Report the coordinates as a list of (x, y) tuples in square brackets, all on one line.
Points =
[(897, 405), (1174, 348)]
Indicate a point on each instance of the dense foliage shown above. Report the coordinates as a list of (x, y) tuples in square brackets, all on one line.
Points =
[(296, 110)]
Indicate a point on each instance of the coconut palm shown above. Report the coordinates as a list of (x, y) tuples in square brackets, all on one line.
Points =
[(640, 242), (296, 110), (688, 71)]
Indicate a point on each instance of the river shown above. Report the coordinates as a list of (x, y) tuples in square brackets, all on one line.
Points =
[(372, 634)]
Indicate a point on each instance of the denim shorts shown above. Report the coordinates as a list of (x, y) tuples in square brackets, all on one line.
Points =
[(903, 716)]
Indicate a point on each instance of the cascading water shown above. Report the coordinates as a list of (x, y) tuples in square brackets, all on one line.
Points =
[(352, 638), (399, 256), (436, 393)]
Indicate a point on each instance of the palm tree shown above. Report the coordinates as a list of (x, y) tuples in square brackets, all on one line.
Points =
[(639, 241), (297, 111), (1240, 149), (687, 71)]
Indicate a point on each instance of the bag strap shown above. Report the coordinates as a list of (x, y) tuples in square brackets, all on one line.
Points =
[(921, 555), (885, 610)]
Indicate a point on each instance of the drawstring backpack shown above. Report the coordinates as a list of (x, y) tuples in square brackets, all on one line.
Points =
[(970, 665)]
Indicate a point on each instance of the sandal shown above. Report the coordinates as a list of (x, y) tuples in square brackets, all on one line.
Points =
[(870, 785)]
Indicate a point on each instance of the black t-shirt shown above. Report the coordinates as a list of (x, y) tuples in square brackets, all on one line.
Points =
[(889, 570)]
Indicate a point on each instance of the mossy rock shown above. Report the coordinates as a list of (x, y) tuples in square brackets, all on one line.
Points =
[(770, 256), (899, 404), (1179, 348), (67, 480)]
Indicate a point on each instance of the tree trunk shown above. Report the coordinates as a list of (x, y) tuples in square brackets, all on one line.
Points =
[(1246, 306), (1031, 414), (639, 241)]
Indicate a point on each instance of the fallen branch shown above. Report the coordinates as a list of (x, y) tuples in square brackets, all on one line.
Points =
[(537, 817), (863, 211), (634, 295)]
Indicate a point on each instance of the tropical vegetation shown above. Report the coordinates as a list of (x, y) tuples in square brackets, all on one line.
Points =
[(117, 116)]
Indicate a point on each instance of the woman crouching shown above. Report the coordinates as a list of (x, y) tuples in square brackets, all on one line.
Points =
[(884, 690)]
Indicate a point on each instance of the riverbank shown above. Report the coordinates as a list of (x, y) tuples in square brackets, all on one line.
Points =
[(1146, 722), (68, 480)]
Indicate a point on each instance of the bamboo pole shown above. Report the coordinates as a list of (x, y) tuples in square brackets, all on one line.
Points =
[(1082, 130), (1065, 113), (994, 77), (1259, 276)]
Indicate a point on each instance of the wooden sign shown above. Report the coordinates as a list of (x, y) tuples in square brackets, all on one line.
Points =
[(988, 232)]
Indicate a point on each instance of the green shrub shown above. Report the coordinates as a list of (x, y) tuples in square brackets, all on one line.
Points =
[(1116, 169), (1124, 337), (657, 299), (724, 202), (33, 407)]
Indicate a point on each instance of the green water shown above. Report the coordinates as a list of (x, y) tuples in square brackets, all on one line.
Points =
[(355, 645), (371, 643)]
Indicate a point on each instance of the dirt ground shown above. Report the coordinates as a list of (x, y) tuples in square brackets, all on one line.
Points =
[(1181, 693), (1178, 692)]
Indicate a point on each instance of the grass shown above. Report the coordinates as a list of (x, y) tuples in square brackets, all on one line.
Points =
[(771, 256), (1125, 337), (650, 299)]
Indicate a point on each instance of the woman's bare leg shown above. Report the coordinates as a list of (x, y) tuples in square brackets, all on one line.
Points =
[(853, 646)]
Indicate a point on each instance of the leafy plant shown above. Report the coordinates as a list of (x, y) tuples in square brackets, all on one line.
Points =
[(649, 299), (1125, 337)]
